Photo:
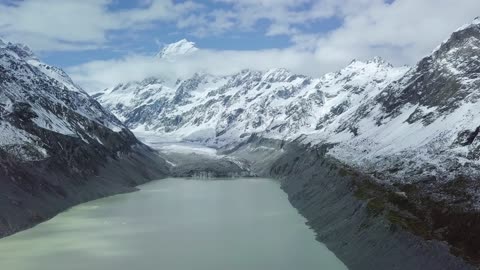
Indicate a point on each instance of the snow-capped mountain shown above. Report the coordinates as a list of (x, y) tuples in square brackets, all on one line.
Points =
[(58, 146), (400, 124), (179, 48), (221, 110), (37, 98), (426, 124)]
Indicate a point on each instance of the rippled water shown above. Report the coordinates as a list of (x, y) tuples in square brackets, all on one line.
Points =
[(175, 224)]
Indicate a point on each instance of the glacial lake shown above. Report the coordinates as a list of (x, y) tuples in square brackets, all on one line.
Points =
[(175, 224)]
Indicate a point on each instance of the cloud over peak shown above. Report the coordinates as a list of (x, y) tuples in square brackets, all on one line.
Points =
[(321, 35)]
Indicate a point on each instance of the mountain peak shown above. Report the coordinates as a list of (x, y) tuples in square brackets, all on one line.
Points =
[(20, 49), (181, 47), (377, 60), (475, 22), (469, 30)]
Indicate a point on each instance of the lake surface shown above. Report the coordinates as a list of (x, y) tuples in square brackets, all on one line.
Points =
[(175, 224)]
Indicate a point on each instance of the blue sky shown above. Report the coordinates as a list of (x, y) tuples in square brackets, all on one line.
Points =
[(98, 41), (150, 41), (153, 37)]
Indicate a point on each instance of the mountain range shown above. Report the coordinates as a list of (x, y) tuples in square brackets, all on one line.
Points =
[(402, 124)]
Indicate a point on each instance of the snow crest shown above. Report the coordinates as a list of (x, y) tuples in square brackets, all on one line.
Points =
[(179, 48)]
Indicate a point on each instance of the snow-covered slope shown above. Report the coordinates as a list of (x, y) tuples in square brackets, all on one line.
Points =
[(221, 110), (179, 48), (425, 124), (37, 98), (58, 146)]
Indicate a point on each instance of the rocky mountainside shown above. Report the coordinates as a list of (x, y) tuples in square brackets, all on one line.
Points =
[(58, 146), (424, 125), (36, 96)]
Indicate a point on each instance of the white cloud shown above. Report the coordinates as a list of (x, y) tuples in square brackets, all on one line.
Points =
[(72, 24), (97, 75), (401, 31), (282, 16)]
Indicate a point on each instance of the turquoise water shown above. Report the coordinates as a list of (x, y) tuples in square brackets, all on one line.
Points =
[(175, 224)]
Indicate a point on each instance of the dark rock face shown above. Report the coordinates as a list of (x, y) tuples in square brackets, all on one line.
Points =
[(360, 236), (35, 191)]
